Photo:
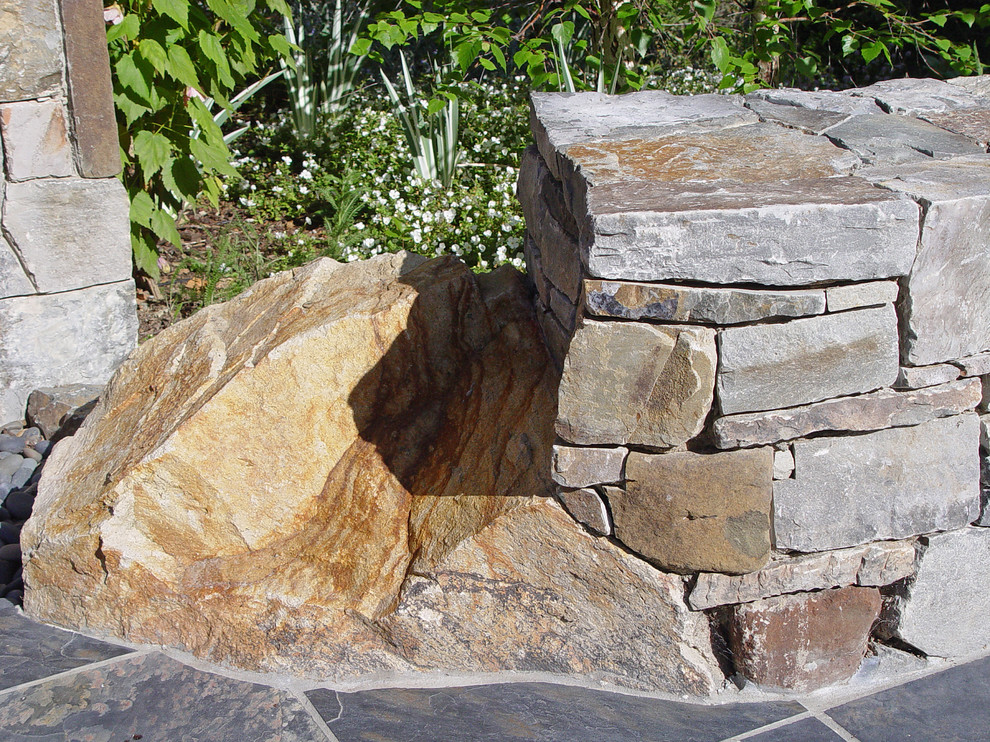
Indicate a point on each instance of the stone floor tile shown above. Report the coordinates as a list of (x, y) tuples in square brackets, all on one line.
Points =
[(155, 699), (532, 711), (31, 651), (806, 730), (950, 706)]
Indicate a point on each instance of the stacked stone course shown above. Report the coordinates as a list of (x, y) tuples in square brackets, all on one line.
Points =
[(67, 307), (772, 318)]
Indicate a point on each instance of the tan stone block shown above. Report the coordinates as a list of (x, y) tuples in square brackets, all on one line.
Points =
[(635, 383), (688, 512)]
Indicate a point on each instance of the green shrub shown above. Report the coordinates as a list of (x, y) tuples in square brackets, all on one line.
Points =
[(168, 57)]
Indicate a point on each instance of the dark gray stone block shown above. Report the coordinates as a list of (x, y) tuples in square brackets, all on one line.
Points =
[(155, 699), (950, 706), (31, 651), (532, 711)]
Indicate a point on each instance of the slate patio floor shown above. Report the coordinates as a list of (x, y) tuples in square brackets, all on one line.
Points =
[(56, 685)]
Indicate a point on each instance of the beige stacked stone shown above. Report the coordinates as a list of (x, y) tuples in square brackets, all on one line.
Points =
[(768, 381), (67, 308)]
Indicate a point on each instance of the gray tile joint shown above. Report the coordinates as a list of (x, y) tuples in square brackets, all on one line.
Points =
[(311, 710)]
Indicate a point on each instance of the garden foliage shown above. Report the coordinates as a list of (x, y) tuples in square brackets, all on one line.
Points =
[(169, 57)]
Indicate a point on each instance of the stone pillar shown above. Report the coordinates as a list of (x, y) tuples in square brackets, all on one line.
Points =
[(67, 307), (769, 312)]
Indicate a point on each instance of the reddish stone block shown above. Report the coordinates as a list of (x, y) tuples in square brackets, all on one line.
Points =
[(90, 89), (803, 641)]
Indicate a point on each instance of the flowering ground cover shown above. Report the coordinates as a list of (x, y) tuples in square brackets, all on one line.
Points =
[(350, 192)]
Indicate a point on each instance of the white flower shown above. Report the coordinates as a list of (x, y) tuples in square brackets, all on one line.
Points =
[(304, 190), (359, 226), (306, 175), (417, 236), (368, 242), (286, 159), (394, 194)]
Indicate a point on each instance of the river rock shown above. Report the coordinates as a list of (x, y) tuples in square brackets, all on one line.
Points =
[(696, 304), (945, 312), (688, 512), (943, 611), (805, 641), (806, 360), (881, 409), (890, 484), (660, 381), (874, 565)]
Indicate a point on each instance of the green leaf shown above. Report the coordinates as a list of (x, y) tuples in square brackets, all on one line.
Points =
[(132, 111), (487, 63), (152, 51), (131, 75), (213, 50), (281, 45), (873, 50), (280, 6), (181, 67), (153, 151), (177, 10), (361, 47), (499, 57), (849, 44), (129, 28), (720, 54), (212, 156), (141, 208), (182, 178), (143, 245), (163, 225)]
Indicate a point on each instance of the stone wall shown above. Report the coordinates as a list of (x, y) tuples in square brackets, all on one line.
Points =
[(772, 317), (67, 309)]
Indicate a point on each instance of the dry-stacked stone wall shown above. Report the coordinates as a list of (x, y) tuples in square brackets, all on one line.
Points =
[(772, 317), (67, 309)]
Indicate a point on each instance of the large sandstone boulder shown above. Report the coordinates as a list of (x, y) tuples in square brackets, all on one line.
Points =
[(334, 475)]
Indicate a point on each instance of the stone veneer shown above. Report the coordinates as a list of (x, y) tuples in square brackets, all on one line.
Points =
[(67, 308), (772, 318)]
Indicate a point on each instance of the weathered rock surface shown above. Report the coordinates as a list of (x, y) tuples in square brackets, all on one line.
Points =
[(974, 124), (947, 307), (582, 467), (886, 485), (918, 377), (874, 411), (824, 100), (978, 85), (978, 365), (31, 49), (805, 641), (783, 463), (738, 155), (587, 508), (872, 565), (76, 337), (772, 233), (13, 279), (806, 119), (806, 360), (534, 592), (881, 138), (381, 518), (858, 295), (560, 120), (697, 304), (943, 611), (47, 408), (549, 225), (36, 139), (912, 96), (64, 242), (660, 381), (687, 512)]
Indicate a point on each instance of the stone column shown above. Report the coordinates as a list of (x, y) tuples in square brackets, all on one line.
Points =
[(67, 307)]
